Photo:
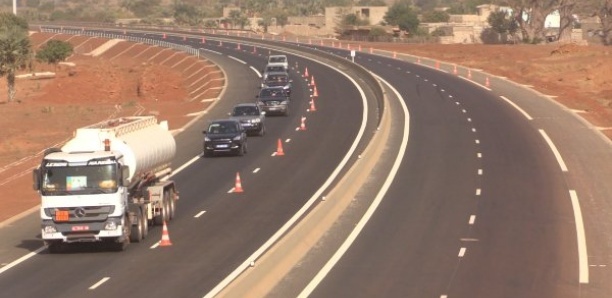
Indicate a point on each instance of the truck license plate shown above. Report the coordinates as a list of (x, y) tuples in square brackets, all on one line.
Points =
[(222, 146), (80, 228)]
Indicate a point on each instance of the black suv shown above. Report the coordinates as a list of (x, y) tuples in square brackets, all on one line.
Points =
[(225, 136), (274, 100)]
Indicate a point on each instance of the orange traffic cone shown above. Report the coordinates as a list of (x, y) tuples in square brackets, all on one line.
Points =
[(437, 64), (238, 46), (303, 124), (469, 73), (203, 40), (184, 38), (279, 148), (238, 187), (487, 83), (315, 93), (455, 69), (220, 43), (165, 240), (359, 48), (306, 72), (164, 36), (312, 82), (312, 105), (394, 55)]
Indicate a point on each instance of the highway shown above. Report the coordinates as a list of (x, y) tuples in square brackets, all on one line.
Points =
[(484, 202)]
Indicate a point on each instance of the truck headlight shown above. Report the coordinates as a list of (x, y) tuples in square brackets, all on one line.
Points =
[(50, 229), (256, 120), (111, 225)]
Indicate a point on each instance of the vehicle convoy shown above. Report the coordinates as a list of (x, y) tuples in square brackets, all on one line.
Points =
[(107, 183), (225, 136), (274, 100), (251, 117)]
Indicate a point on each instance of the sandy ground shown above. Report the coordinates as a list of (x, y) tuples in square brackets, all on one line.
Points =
[(132, 79), (126, 80)]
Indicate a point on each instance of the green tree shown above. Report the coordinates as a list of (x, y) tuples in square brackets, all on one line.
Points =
[(15, 49), (400, 14), (54, 51), (434, 16)]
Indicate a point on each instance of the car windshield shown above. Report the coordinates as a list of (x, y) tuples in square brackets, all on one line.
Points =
[(277, 78), (221, 128), (277, 59), (271, 93), (245, 111), (275, 68)]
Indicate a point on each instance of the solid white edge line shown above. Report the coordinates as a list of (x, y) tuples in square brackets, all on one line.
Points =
[(20, 260), (256, 71), (256, 170), (583, 258), (313, 199), (517, 107), (554, 150), (199, 214), (476, 83), (103, 280), (366, 217), (154, 246), (239, 61)]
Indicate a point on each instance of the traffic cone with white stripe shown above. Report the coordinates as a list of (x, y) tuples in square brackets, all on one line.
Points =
[(165, 240), (303, 124), (315, 93), (313, 108), (279, 148), (238, 186), (487, 83), (306, 73)]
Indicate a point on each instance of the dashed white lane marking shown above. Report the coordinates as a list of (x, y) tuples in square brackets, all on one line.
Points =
[(457, 103), (478, 191), (462, 252), (477, 141), (472, 219), (554, 150), (469, 119), (479, 155), (473, 129), (517, 107), (442, 90), (234, 58), (154, 246), (443, 296), (199, 214), (256, 170), (583, 258), (479, 172), (96, 285), (463, 111)]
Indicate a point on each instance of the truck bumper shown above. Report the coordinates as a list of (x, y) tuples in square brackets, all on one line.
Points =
[(83, 232)]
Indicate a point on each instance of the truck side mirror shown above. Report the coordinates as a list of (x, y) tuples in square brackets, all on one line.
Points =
[(36, 179), (125, 173)]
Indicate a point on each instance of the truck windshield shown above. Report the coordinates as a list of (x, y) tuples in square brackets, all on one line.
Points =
[(87, 179)]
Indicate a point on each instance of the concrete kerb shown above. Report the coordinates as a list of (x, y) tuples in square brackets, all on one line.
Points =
[(284, 255)]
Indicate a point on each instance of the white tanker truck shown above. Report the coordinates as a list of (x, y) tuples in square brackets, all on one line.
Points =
[(107, 184)]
